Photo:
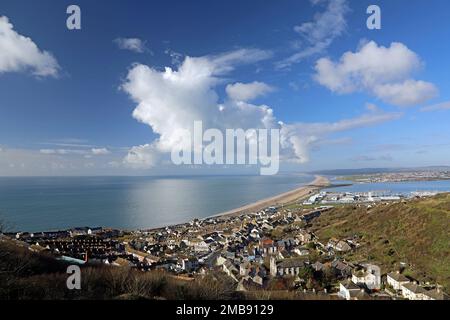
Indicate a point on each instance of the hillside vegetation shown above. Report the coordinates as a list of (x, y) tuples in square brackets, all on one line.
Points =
[(30, 276), (415, 232)]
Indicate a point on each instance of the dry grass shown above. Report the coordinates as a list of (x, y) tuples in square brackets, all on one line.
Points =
[(31, 276)]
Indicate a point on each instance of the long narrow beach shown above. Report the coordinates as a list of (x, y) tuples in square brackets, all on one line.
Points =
[(281, 199)]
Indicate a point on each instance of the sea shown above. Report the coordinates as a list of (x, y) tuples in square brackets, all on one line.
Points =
[(56, 203)]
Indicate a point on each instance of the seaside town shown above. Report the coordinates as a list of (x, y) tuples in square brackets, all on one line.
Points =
[(272, 249), (406, 176), (326, 198)]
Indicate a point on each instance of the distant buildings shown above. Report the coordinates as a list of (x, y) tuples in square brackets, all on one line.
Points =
[(327, 198)]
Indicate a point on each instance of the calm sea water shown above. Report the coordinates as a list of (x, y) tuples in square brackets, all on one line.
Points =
[(38, 204), (395, 187)]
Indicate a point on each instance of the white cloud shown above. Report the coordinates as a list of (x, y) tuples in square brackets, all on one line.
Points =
[(100, 151), (132, 44), (143, 157), (86, 153), (170, 101), (19, 53), (47, 151), (319, 34), (407, 93), (175, 57), (301, 137), (62, 151), (49, 162), (383, 72), (437, 107), (247, 91)]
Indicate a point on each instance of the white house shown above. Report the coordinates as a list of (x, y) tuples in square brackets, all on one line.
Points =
[(342, 246), (230, 270), (436, 294), (369, 276), (413, 291), (396, 280), (201, 246), (220, 261), (255, 234), (349, 291)]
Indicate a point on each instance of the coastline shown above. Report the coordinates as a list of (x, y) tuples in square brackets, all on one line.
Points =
[(282, 199), (288, 197)]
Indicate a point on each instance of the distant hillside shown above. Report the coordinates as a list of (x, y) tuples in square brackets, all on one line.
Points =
[(416, 232), (348, 172)]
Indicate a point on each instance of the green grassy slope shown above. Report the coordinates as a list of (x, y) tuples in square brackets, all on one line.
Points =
[(416, 232)]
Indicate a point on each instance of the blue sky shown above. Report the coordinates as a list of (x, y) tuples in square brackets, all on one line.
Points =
[(387, 106)]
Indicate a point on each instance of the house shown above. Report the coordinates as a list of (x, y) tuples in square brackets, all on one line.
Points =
[(220, 260), (286, 267), (436, 294), (244, 268), (350, 291), (229, 268), (201, 246), (268, 247), (150, 259), (396, 280), (190, 264), (369, 276), (341, 269), (96, 230), (229, 255), (249, 284), (307, 217), (301, 251), (413, 291), (258, 279), (255, 234), (285, 244), (266, 227), (347, 199), (342, 246), (79, 232), (317, 266), (305, 237), (52, 234), (252, 270)]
